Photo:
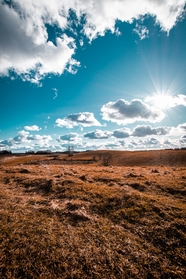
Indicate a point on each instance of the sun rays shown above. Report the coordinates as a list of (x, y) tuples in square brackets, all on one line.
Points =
[(161, 100)]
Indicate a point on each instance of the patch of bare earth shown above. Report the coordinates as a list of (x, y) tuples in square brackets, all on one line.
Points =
[(88, 221)]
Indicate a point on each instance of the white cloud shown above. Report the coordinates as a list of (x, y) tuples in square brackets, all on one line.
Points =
[(98, 134), (101, 134), (26, 49), (55, 93), (32, 128), (183, 139), (167, 142), (123, 112), (143, 130), (151, 141), (121, 133), (78, 145), (142, 31), (117, 145), (23, 133), (24, 140), (69, 137), (6, 143), (20, 138), (182, 126), (39, 137), (85, 119), (178, 131), (81, 42), (154, 143), (101, 14)]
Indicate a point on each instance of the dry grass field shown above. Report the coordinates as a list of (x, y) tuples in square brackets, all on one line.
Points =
[(79, 219)]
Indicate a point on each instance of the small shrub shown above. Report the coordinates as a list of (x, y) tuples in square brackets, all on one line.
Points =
[(106, 159)]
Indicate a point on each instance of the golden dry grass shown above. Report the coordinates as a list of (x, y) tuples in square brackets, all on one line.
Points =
[(90, 221), (170, 158)]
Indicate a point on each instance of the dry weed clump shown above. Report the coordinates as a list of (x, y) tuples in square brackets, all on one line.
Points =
[(63, 221)]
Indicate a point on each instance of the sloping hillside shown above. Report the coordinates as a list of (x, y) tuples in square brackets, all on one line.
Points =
[(119, 158)]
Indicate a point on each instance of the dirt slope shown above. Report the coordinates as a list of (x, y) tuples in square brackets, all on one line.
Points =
[(139, 158)]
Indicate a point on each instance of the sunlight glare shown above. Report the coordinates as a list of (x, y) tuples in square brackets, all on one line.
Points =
[(161, 100)]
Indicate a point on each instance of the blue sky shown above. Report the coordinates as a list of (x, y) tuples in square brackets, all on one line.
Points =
[(93, 74)]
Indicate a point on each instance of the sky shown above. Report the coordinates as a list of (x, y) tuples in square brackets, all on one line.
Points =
[(94, 74)]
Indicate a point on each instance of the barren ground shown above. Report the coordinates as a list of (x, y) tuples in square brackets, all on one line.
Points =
[(63, 219)]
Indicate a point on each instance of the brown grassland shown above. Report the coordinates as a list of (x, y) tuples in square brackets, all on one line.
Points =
[(79, 219)]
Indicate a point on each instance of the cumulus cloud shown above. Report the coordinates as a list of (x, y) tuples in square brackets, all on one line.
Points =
[(98, 134), (178, 131), (167, 142), (24, 139), (20, 138), (69, 137), (121, 133), (6, 143), (32, 128), (139, 131), (123, 112), (152, 141), (182, 126), (84, 119), (149, 143), (183, 139), (143, 130), (25, 45), (39, 137), (117, 145), (77, 144), (102, 14)]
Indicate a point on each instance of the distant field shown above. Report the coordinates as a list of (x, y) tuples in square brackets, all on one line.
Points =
[(79, 219), (119, 158)]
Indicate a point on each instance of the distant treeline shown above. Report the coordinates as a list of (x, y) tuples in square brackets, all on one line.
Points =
[(5, 152), (48, 152), (9, 152)]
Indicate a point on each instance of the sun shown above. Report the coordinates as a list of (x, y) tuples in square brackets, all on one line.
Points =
[(161, 100)]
